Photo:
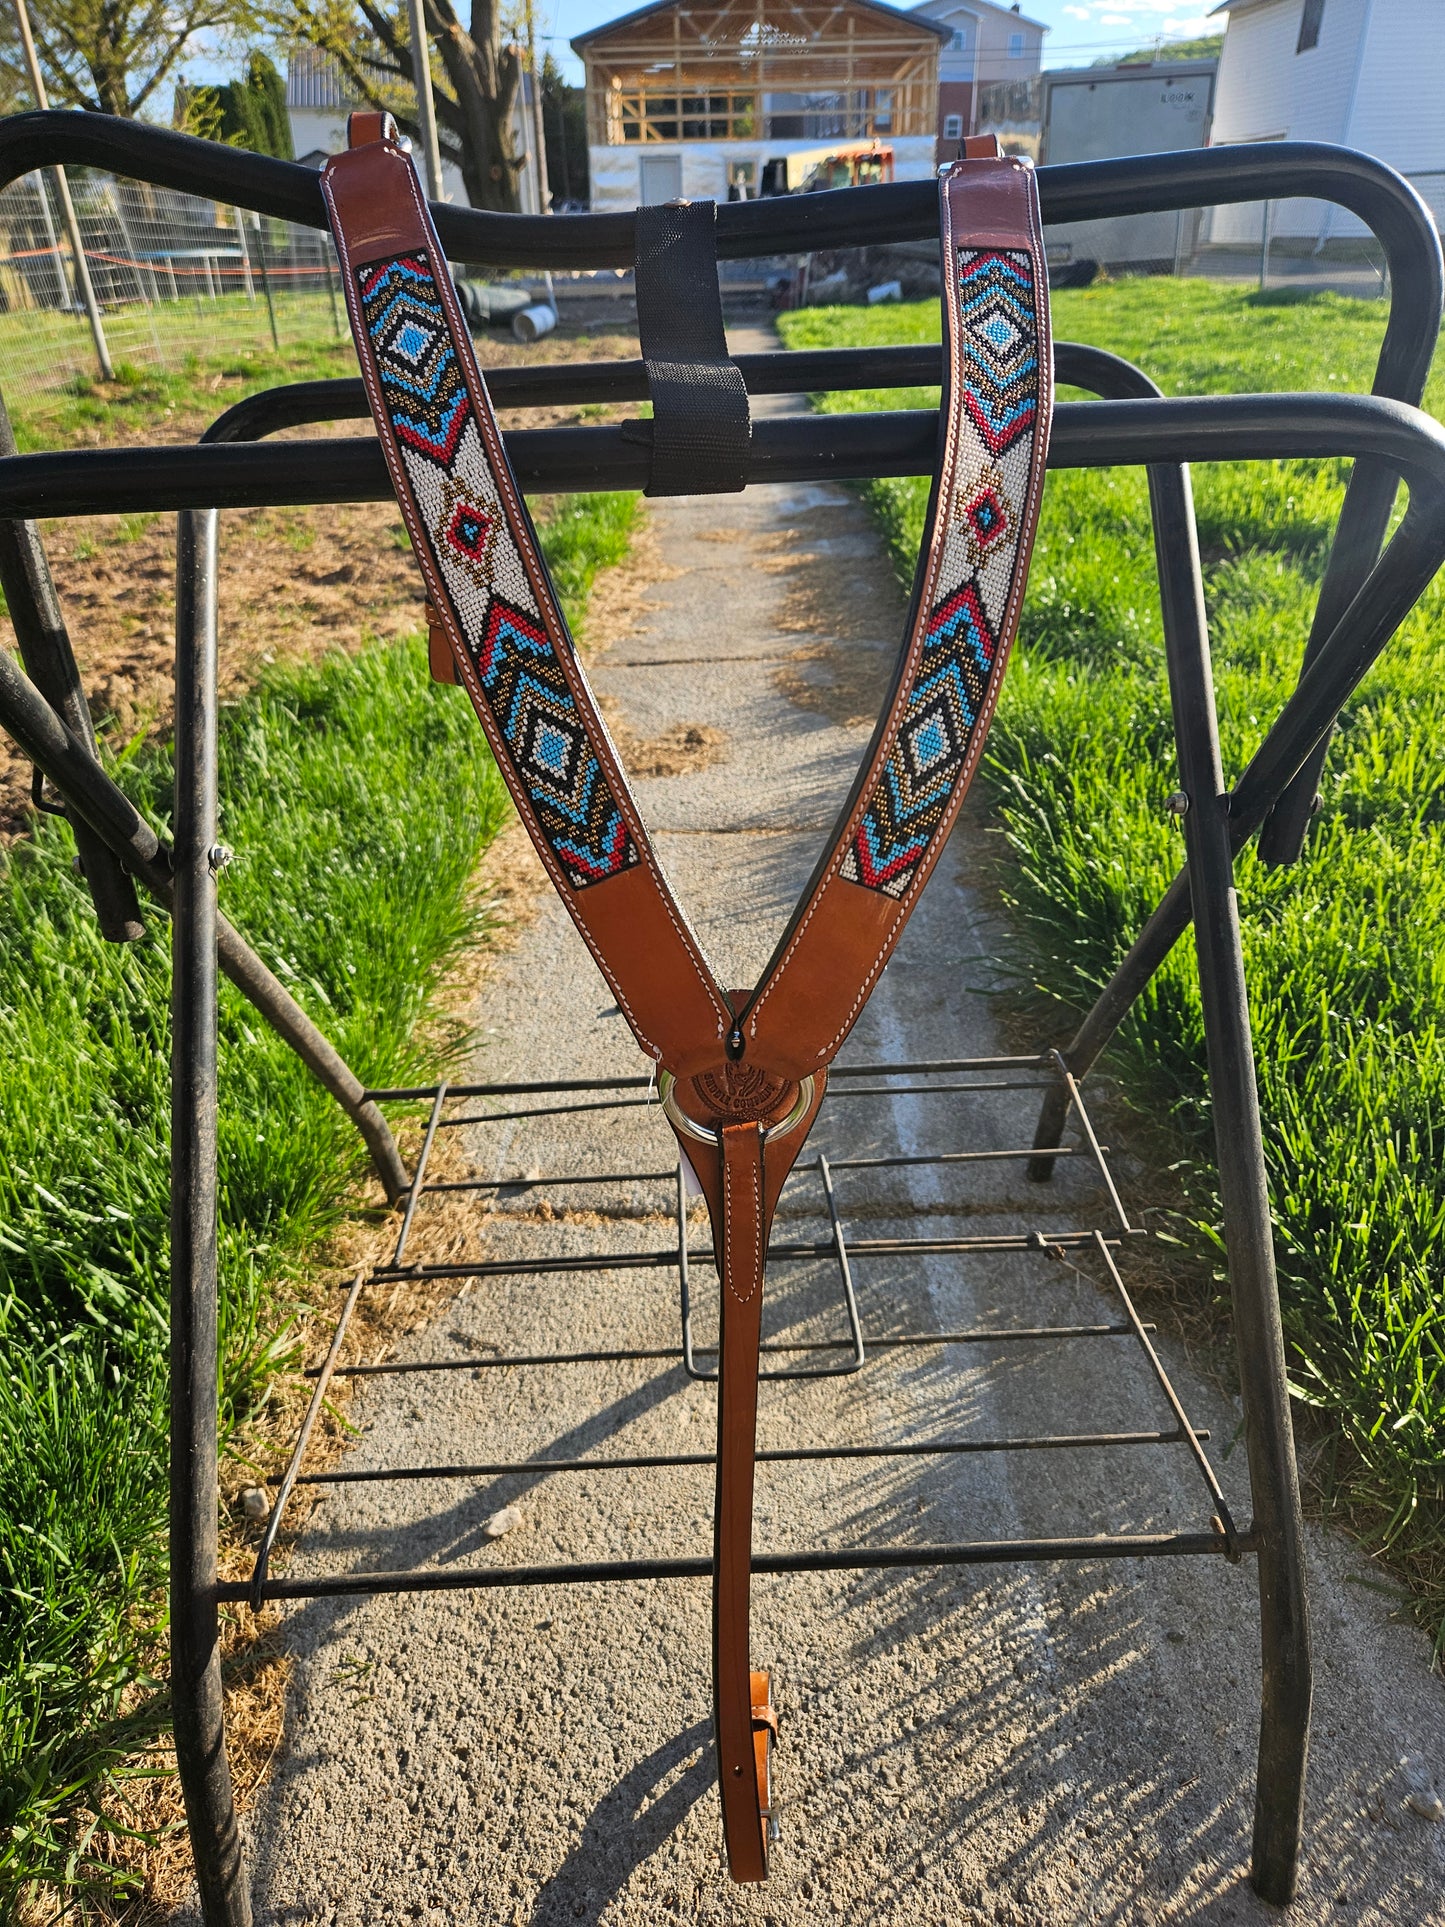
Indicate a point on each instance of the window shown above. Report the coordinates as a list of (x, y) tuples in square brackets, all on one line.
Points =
[(1309, 26), (959, 42), (645, 116), (1015, 46), (953, 127)]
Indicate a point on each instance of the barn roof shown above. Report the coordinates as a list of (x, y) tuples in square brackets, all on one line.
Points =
[(917, 20)]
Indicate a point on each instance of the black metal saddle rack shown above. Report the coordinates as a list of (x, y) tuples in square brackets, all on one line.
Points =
[(1368, 587)]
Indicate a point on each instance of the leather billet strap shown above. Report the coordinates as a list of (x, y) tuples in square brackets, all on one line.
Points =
[(743, 1072)]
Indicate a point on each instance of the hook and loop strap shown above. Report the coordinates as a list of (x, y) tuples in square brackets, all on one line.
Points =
[(701, 429)]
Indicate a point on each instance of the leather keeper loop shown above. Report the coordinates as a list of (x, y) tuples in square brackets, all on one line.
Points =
[(701, 426)]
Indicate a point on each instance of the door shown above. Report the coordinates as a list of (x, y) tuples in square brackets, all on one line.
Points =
[(661, 179)]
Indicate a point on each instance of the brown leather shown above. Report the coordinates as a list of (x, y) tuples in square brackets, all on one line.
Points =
[(741, 1247), (765, 1737), (815, 987), (363, 127), (631, 923), (439, 658), (982, 147), (741, 1181), (823, 978), (738, 1061), (650, 958), (375, 210)]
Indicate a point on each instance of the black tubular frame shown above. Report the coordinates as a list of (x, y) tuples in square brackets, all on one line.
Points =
[(1365, 594)]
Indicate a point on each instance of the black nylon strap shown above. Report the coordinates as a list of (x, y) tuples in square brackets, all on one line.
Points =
[(700, 423)]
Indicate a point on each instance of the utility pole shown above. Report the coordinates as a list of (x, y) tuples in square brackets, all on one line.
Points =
[(431, 153), (539, 133), (67, 206)]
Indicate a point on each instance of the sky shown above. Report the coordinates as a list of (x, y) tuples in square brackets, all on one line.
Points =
[(1080, 31)]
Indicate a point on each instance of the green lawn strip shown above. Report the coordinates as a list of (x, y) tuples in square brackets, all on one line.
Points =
[(1346, 974), (359, 797), (146, 399)]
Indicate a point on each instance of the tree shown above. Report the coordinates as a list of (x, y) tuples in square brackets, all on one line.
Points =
[(111, 55), (476, 80), (250, 112), (1206, 46)]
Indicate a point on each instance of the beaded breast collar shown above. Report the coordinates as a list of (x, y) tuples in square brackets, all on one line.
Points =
[(742, 1074)]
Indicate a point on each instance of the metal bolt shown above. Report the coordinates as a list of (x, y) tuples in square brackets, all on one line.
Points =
[(1178, 804), (218, 856)]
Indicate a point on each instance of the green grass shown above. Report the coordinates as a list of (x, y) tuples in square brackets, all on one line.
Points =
[(359, 797), (1346, 973), (196, 385), (164, 358)]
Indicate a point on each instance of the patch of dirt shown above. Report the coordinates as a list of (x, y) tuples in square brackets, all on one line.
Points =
[(847, 685), (620, 596), (294, 582), (856, 617), (678, 751)]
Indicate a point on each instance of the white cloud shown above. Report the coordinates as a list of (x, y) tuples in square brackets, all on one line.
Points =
[(1077, 13), (1116, 20)]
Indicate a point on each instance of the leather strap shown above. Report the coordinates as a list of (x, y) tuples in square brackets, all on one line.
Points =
[(743, 1073), (742, 1243), (487, 581), (363, 127)]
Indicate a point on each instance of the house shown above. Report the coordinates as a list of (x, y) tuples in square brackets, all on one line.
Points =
[(987, 43), (738, 99), (318, 100), (1364, 73)]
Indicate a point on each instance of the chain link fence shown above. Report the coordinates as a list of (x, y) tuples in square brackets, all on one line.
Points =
[(179, 280)]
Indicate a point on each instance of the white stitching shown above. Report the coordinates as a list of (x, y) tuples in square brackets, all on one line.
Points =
[(552, 618), (729, 1218), (936, 543)]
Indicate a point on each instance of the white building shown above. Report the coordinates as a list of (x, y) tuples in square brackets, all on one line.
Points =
[(986, 42), (1368, 74)]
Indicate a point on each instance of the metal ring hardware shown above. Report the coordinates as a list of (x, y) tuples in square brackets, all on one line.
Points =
[(689, 1126)]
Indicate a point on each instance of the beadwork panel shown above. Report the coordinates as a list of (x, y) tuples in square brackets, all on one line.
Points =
[(477, 557), (998, 356)]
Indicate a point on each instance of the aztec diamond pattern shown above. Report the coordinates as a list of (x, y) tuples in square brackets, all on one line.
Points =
[(477, 559), (984, 515), (999, 344), (958, 658)]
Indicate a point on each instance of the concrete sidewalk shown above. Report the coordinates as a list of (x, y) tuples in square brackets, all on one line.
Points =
[(1007, 1745)]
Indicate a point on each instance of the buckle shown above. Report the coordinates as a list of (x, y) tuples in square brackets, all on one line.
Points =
[(704, 1134)]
